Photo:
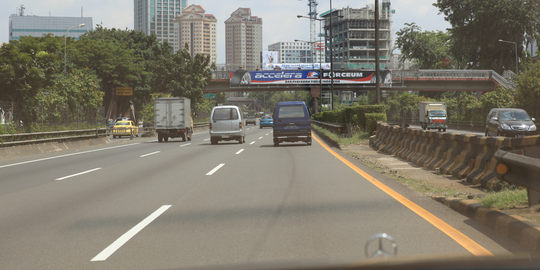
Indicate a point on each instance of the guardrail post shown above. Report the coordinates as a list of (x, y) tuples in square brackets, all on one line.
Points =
[(131, 133)]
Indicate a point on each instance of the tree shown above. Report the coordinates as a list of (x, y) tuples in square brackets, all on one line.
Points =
[(428, 49), (145, 47), (27, 65), (112, 61), (477, 27), (528, 90), (182, 75)]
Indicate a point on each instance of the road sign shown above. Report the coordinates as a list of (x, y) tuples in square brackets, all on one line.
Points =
[(124, 91), (210, 96)]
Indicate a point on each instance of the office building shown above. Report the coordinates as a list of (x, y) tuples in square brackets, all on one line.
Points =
[(157, 16), (198, 30), (243, 40), (37, 26), (354, 36), (298, 52)]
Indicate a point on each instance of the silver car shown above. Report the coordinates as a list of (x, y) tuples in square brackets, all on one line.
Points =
[(227, 124)]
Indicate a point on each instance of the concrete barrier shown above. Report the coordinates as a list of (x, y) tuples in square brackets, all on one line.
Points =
[(463, 156), (16, 151)]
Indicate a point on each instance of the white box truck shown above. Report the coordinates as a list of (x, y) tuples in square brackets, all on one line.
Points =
[(172, 118), (433, 115)]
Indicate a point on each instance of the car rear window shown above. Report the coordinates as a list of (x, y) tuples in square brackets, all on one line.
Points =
[(291, 112), (266, 117), (122, 124), (225, 114)]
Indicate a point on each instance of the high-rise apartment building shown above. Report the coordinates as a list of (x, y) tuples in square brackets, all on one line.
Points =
[(157, 16), (298, 52), (354, 36), (198, 30), (243, 40), (37, 26)]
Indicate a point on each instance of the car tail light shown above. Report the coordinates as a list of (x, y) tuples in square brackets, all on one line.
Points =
[(240, 125), (158, 130), (180, 130), (210, 126)]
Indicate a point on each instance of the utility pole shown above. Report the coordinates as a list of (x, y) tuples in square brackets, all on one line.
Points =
[(377, 71), (331, 60)]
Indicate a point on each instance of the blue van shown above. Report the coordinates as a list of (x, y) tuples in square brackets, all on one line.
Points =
[(292, 123)]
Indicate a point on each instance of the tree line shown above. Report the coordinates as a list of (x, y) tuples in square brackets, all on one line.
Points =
[(472, 42), (42, 72)]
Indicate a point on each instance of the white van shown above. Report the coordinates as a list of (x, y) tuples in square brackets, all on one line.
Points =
[(227, 124)]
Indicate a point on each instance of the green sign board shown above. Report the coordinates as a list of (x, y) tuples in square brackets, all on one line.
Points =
[(209, 96)]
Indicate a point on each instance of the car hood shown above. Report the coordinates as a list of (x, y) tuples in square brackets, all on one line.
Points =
[(518, 123)]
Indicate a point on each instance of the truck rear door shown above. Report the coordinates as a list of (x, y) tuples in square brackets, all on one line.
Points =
[(176, 114)]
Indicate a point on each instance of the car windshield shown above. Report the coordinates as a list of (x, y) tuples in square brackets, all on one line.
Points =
[(437, 113), (514, 116)]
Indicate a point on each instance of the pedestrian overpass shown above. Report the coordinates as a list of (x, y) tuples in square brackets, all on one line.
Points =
[(356, 80)]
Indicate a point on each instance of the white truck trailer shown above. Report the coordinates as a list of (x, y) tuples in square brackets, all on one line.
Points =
[(433, 115), (172, 118)]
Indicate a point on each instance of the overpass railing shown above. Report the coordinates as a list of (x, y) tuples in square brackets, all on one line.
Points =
[(451, 73)]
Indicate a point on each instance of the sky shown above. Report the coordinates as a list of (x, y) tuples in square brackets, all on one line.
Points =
[(279, 16)]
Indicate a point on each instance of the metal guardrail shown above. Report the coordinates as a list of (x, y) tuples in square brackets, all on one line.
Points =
[(519, 170), (40, 137), (26, 138), (335, 128), (414, 121)]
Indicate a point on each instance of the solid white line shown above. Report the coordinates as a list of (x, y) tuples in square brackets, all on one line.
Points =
[(215, 169), (260, 138), (252, 142), (69, 176), (266, 134), (150, 154), (103, 255), (240, 151), (185, 144), (67, 155), (206, 139)]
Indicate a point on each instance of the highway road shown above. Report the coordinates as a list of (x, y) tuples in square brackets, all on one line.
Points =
[(140, 204)]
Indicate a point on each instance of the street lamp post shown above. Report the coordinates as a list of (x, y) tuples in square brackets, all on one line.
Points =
[(515, 48), (320, 60), (65, 44)]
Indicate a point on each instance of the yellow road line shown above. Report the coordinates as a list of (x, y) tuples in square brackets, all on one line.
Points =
[(459, 237)]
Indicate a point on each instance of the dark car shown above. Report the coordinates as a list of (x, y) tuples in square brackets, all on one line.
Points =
[(266, 121), (509, 122), (250, 119), (292, 123)]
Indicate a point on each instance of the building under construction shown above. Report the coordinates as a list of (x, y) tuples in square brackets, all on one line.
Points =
[(354, 36)]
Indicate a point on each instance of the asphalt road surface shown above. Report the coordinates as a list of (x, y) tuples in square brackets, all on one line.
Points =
[(140, 204)]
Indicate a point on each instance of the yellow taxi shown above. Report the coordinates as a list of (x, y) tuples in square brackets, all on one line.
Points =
[(124, 128)]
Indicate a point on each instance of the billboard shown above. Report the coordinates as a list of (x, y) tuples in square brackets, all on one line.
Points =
[(270, 57), (296, 66), (244, 77)]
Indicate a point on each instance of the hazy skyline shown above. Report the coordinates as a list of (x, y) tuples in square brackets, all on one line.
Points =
[(279, 17)]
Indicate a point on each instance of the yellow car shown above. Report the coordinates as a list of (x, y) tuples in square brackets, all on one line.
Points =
[(124, 128)]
